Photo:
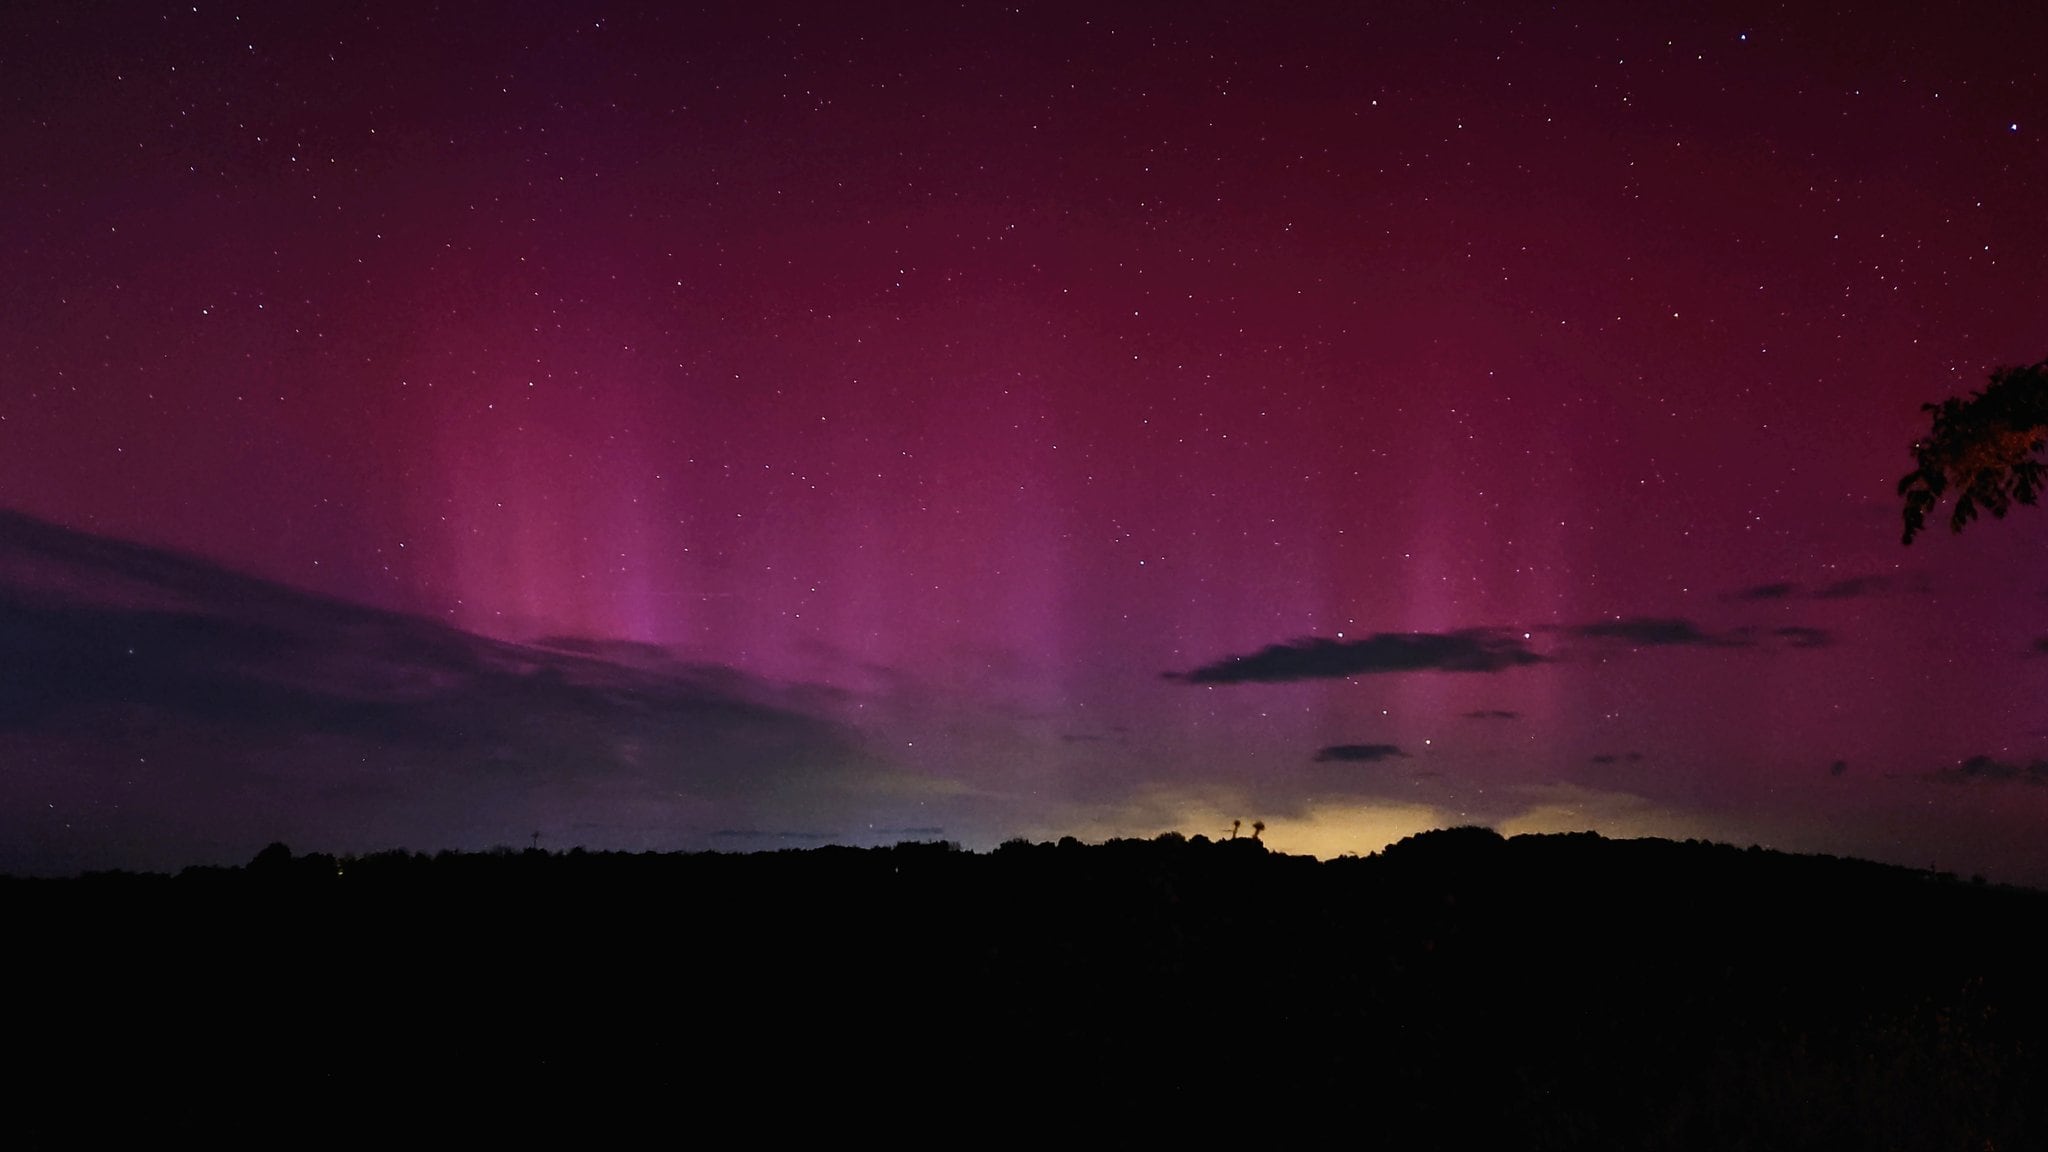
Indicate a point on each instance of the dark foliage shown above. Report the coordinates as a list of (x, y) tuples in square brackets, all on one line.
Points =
[(1986, 448), (1459, 989)]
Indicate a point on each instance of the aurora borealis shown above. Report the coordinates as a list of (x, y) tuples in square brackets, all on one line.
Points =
[(1045, 420)]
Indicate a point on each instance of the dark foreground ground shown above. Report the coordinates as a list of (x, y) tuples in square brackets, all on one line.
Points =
[(1540, 992)]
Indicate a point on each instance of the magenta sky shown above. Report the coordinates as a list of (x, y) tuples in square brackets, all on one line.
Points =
[(954, 374)]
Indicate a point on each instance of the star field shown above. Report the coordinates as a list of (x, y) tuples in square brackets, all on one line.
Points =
[(996, 383)]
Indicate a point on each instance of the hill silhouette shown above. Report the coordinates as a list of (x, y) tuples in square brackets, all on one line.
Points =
[(1545, 991)]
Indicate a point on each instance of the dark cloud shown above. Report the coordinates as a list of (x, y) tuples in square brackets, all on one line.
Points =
[(1612, 758), (1838, 767), (1359, 753), (1654, 632), (2041, 646), (1492, 714), (1777, 591), (1799, 637), (1676, 632), (1468, 650), (256, 712), (401, 684), (1852, 587), (1994, 770), (1838, 590)]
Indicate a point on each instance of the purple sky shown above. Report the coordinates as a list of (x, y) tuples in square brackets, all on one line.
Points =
[(943, 377)]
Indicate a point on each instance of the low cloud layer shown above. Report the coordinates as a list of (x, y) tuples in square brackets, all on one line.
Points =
[(1852, 587), (1845, 589), (1678, 632), (1650, 632), (1799, 637), (1472, 650), (1777, 591), (1359, 753), (1468, 650), (1990, 769)]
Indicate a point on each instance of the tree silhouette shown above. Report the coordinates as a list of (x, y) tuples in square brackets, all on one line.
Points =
[(1234, 825), (1258, 827), (1986, 447)]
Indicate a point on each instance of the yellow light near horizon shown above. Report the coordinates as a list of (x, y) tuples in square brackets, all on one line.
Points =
[(1361, 828), (1325, 830)]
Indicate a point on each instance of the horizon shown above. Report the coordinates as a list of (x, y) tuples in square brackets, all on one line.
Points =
[(277, 853)]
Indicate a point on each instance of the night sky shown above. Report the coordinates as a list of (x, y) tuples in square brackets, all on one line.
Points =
[(855, 423)]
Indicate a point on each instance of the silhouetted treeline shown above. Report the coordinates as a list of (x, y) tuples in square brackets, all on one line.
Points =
[(1550, 991)]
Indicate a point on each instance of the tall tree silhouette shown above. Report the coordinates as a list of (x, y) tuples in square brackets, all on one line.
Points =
[(1986, 447)]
